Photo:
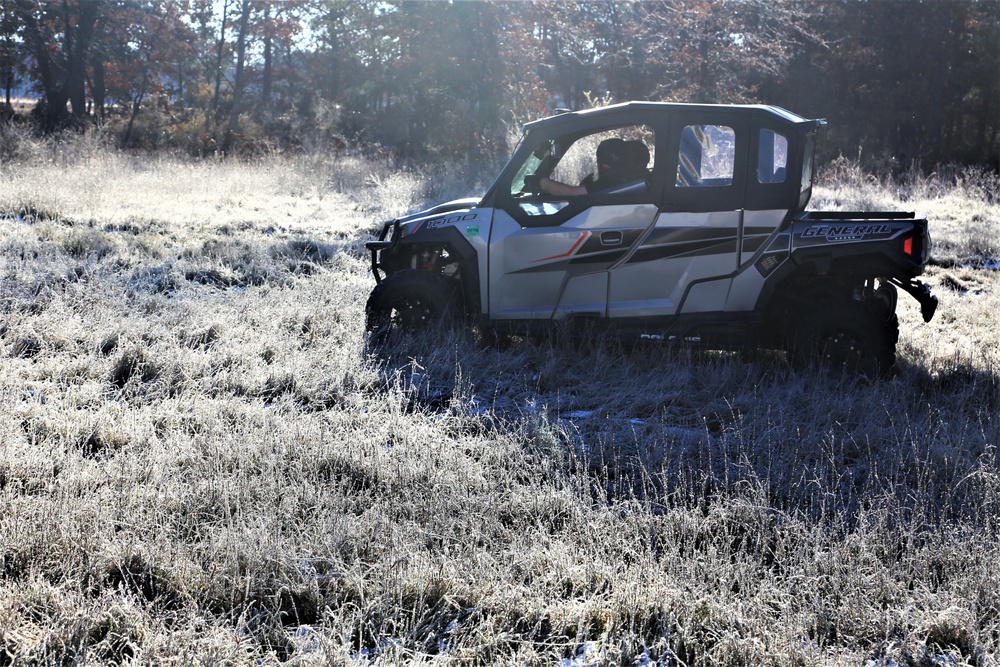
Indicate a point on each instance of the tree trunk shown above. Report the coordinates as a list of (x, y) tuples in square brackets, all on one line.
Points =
[(76, 74), (98, 89), (214, 111), (8, 51), (265, 103), (238, 83)]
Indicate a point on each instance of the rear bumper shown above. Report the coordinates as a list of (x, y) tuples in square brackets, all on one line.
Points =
[(922, 293)]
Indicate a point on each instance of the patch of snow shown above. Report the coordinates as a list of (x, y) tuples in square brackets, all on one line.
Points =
[(444, 641), (983, 264), (645, 660), (305, 640), (882, 662), (589, 653), (368, 656)]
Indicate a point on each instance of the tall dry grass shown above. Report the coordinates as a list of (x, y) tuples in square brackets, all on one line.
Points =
[(202, 463)]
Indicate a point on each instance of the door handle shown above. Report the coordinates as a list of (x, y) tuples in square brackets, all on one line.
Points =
[(611, 238)]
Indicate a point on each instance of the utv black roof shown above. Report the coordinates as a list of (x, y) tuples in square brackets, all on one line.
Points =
[(599, 114)]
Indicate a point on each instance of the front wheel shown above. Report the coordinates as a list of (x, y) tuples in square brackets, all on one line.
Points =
[(410, 301), (846, 336)]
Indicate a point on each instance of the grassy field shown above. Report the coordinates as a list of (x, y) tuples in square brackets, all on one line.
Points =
[(200, 463)]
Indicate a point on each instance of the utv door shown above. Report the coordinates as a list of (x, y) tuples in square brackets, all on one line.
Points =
[(550, 256), (687, 260)]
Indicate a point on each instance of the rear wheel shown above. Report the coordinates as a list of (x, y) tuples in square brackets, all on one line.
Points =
[(410, 301), (846, 336)]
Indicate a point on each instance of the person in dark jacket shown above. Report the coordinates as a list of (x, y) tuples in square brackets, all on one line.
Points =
[(618, 162)]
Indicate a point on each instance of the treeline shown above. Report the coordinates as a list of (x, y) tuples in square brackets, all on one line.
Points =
[(901, 81)]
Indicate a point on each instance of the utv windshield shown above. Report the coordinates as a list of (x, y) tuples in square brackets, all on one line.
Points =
[(530, 166)]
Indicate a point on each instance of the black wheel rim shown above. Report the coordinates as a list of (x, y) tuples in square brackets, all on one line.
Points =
[(843, 349), (412, 313)]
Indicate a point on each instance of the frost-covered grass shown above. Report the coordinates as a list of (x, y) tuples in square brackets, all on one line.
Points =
[(201, 462)]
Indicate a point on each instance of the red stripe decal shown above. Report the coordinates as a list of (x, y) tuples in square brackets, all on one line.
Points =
[(579, 242)]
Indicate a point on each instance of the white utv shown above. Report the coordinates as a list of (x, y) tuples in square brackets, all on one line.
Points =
[(707, 243)]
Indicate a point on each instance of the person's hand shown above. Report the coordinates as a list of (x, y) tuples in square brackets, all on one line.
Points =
[(533, 184)]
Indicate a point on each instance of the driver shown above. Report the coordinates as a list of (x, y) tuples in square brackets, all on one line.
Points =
[(618, 162)]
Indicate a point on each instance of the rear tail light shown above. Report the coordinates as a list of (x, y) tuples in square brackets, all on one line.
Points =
[(908, 246), (916, 246)]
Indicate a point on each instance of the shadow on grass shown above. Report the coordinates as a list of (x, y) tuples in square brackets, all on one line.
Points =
[(675, 426)]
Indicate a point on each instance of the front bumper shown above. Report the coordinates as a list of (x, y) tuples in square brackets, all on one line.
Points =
[(386, 241)]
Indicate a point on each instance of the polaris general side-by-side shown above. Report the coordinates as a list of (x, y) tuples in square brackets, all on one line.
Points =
[(671, 222)]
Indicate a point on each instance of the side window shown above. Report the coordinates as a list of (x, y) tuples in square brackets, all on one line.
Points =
[(772, 157), (707, 156), (578, 162), (616, 161)]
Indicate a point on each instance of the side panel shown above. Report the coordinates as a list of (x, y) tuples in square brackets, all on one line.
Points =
[(758, 229), (680, 249), (702, 269), (760, 237), (758, 264), (862, 244), (542, 272), (585, 294)]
